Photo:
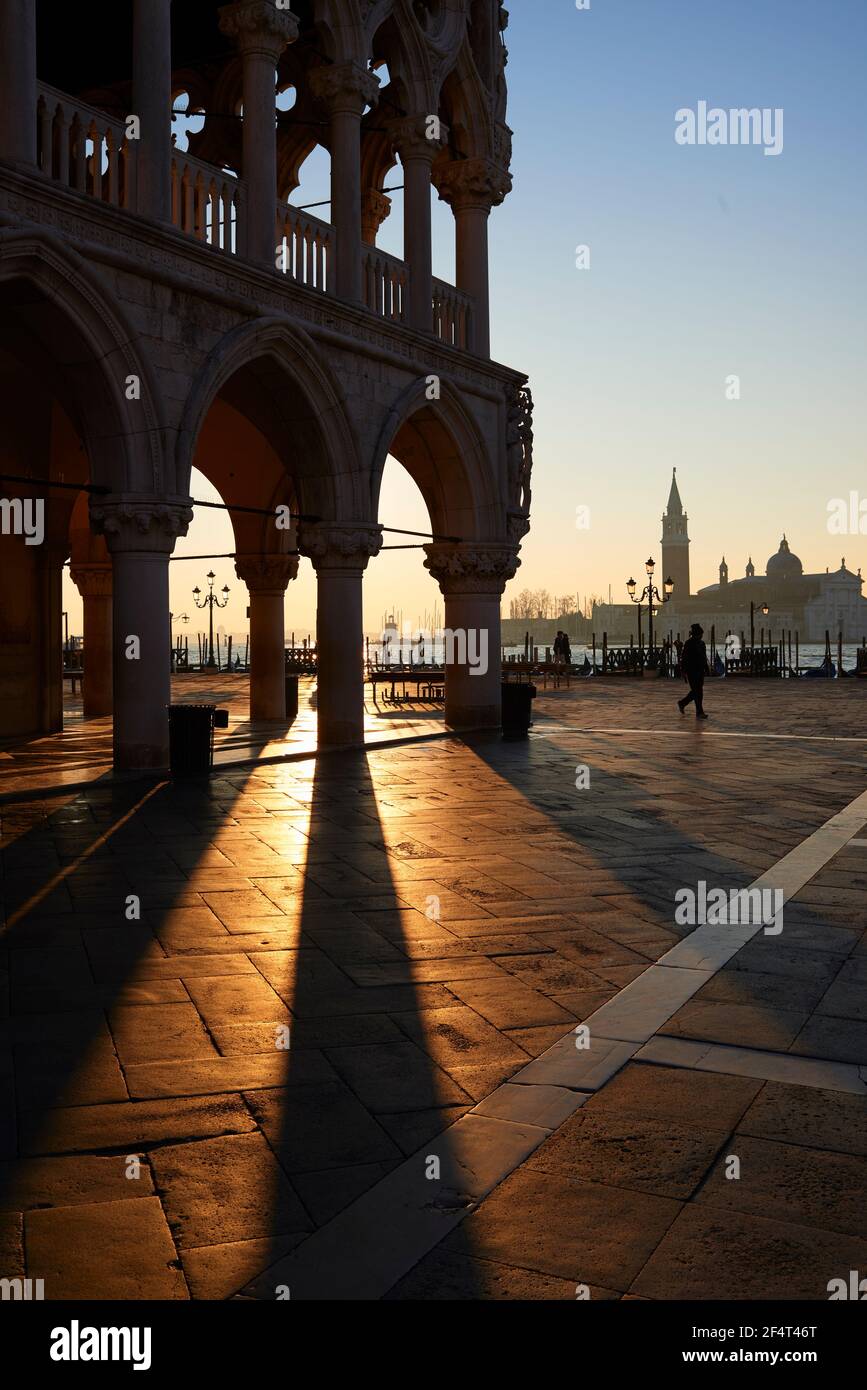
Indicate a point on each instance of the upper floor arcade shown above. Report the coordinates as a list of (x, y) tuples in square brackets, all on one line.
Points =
[(87, 100)]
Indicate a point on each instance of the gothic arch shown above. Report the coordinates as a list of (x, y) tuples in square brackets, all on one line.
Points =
[(68, 312), (272, 372), (443, 450)]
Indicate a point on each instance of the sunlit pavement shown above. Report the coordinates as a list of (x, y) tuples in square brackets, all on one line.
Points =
[(82, 753), (420, 923)]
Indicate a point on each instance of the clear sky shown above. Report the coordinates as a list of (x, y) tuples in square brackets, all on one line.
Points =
[(705, 262)]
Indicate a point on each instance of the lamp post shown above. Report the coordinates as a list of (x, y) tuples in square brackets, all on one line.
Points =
[(211, 601), (764, 610), (652, 594)]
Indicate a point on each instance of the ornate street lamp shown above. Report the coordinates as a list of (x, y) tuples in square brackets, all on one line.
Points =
[(652, 594), (211, 601)]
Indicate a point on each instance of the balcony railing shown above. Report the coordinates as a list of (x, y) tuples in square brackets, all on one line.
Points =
[(83, 148), (86, 150), (385, 281), (452, 313), (308, 247), (206, 202)]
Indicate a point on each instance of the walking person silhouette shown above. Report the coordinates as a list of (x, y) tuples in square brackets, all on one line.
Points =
[(694, 666)]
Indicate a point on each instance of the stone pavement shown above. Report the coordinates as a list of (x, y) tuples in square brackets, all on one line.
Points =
[(428, 923), (82, 753)]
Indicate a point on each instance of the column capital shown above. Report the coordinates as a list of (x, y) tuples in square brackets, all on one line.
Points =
[(267, 574), (344, 87), (258, 27), (332, 547), (92, 581), (414, 137), (131, 524), (472, 183), (375, 208), (476, 567)]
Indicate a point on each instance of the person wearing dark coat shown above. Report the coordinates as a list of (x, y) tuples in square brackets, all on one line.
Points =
[(694, 665)]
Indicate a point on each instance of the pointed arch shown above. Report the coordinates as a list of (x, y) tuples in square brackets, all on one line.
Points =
[(272, 372), (444, 451), (65, 311)]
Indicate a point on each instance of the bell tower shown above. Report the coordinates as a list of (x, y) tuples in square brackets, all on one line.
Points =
[(675, 543)]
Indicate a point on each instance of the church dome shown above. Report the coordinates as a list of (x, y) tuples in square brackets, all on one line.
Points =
[(784, 565)]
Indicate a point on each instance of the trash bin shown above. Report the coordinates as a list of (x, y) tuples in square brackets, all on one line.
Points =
[(191, 738), (291, 699), (517, 707)]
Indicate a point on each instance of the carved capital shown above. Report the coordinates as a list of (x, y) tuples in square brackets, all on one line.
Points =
[(132, 523), (257, 26), (416, 137), (92, 581), (340, 547), (344, 87), (472, 183), (267, 574), (473, 568), (375, 207)]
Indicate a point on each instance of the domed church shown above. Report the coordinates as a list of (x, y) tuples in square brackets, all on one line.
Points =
[(809, 604)]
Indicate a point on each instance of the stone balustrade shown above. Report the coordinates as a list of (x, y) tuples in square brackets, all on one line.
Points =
[(308, 248), (206, 202), (83, 148)]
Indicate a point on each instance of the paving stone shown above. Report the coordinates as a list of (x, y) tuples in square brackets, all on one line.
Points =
[(104, 1250), (133, 1124), (66, 1182), (839, 1039), (713, 1254), (812, 1118), (218, 1191), (325, 1194), (741, 1024), (227, 1074), (458, 1036), (216, 1272), (600, 1235), (316, 1127), (415, 1128), (242, 999), (158, 1032), (508, 1003), (790, 1183), (394, 1077), (447, 1276), (12, 1244), (545, 1106)]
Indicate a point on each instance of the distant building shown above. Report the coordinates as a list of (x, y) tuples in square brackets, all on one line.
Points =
[(809, 604)]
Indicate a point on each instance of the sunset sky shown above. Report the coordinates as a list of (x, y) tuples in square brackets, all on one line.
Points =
[(705, 262)]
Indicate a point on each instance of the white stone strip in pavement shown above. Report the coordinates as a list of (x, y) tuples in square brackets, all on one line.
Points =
[(363, 1251), (751, 1061), (541, 729)]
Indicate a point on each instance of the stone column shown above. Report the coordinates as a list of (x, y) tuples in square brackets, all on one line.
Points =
[(152, 103), (472, 187), (417, 152), (51, 689), (267, 578), (261, 32), (472, 578), (345, 89), (94, 583), (141, 535), (18, 81), (340, 556)]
